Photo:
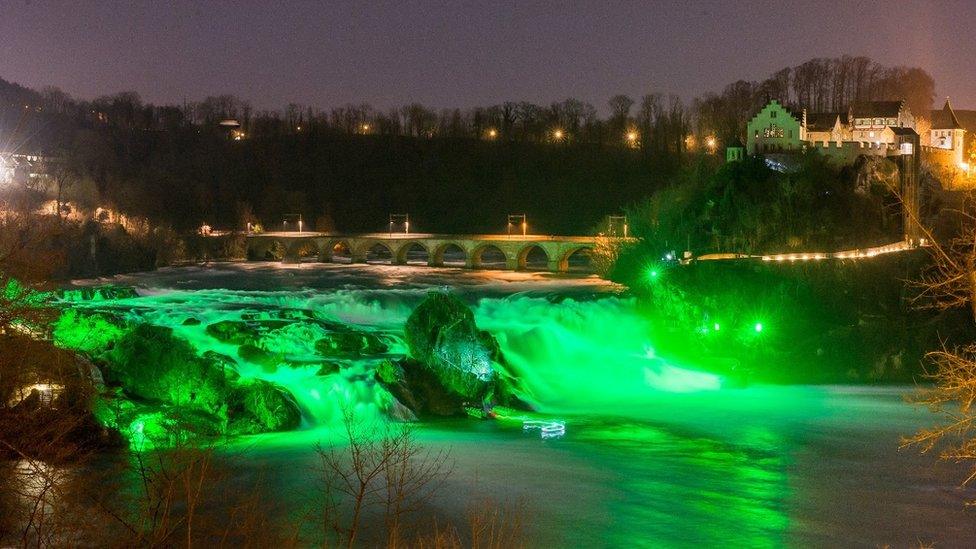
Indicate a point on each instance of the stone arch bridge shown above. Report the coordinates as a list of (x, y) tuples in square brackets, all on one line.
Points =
[(291, 247)]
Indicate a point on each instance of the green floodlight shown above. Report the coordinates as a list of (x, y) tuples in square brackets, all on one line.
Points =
[(758, 327), (653, 274), (717, 326)]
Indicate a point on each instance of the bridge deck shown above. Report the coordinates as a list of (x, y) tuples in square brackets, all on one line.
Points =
[(425, 236), (290, 246)]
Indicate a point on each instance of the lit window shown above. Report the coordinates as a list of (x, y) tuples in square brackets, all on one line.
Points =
[(773, 131)]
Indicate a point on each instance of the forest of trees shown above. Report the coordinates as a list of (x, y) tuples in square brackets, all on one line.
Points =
[(451, 169)]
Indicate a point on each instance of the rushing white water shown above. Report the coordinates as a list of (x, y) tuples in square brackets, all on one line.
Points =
[(588, 349), (653, 454)]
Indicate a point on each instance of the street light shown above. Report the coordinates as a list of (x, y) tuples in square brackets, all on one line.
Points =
[(632, 137), (557, 134), (492, 133), (400, 219), (613, 221), (519, 219), (296, 217)]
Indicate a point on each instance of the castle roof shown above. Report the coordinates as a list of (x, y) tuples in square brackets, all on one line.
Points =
[(945, 119), (795, 114), (871, 109), (823, 121), (897, 130)]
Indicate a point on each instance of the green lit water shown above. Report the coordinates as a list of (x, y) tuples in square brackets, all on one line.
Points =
[(655, 453)]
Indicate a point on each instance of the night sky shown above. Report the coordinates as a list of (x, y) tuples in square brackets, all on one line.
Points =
[(461, 54)]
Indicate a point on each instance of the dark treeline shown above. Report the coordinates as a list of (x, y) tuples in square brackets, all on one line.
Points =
[(451, 169)]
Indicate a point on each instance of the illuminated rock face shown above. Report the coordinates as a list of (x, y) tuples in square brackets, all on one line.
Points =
[(259, 406), (161, 375), (149, 363), (442, 336)]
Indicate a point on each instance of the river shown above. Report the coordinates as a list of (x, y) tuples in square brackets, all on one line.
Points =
[(653, 454)]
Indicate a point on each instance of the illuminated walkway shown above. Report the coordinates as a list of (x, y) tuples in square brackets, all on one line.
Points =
[(858, 253)]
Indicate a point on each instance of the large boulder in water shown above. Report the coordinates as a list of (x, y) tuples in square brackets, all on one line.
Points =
[(445, 341), (258, 406), (235, 332), (151, 363)]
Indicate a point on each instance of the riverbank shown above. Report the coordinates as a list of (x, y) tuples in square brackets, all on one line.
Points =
[(841, 321)]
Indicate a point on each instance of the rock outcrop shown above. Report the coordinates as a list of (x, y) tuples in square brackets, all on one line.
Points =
[(452, 363)]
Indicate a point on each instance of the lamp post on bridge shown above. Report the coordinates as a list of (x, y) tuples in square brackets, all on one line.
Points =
[(613, 221), (517, 218), (400, 219), (296, 218)]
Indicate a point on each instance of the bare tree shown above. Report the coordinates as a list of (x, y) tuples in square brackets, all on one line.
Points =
[(950, 283), (391, 472)]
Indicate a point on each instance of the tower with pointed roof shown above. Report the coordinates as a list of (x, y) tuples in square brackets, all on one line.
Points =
[(947, 133)]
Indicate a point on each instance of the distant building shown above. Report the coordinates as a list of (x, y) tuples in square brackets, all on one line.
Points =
[(948, 134), (736, 151), (871, 120), (868, 128), (776, 129), (6, 170), (23, 168), (826, 128), (232, 128)]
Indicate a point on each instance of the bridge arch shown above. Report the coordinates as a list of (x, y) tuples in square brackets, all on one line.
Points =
[(583, 252), (374, 251), (276, 250), (338, 251), (299, 250), (258, 249), (524, 261), (449, 251), (402, 256), (496, 256)]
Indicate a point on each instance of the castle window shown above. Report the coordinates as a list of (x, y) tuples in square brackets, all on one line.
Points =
[(773, 131), (772, 113)]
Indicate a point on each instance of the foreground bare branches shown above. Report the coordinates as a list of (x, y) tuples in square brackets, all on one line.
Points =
[(381, 486), (950, 283), (952, 398), (381, 467)]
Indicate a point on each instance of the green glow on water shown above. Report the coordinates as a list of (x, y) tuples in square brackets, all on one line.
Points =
[(668, 474), (577, 355), (564, 355)]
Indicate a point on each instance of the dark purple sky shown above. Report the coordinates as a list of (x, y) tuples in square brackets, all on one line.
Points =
[(459, 54)]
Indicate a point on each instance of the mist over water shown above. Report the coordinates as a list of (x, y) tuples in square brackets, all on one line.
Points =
[(574, 344), (655, 453)]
